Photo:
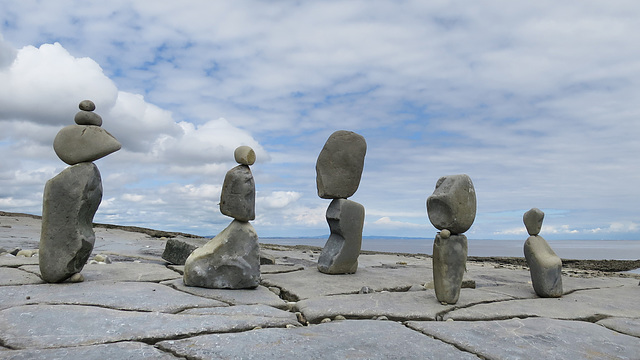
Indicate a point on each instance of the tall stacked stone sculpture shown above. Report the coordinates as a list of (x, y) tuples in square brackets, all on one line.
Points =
[(72, 197), (544, 265), (339, 169), (231, 260), (452, 210)]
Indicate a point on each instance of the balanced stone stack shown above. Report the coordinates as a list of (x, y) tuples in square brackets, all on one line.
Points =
[(72, 197), (544, 265), (339, 169), (452, 210), (231, 260)]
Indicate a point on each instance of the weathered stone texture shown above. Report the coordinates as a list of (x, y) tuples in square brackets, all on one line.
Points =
[(533, 221), (449, 265), (545, 267), (75, 144), (340, 254), (238, 197), (340, 165), (452, 205)]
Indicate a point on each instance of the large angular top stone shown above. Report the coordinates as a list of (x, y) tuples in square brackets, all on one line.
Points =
[(452, 205), (533, 221), (238, 197), (84, 143), (340, 164)]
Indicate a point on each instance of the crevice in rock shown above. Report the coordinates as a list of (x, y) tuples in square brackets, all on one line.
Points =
[(457, 346), (440, 315)]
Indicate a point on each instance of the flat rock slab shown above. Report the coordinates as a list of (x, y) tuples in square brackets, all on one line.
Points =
[(533, 338), (310, 283), (17, 261), (245, 310), (412, 305), (52, 326), (622, 325), (348, 339), (11, 276), (259, 295), (121, 271), (116, 295), (121, 350), (589, 305), (278, 269)]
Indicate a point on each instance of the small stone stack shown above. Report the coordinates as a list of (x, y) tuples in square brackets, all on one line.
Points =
[(339, 169), (544, 265), (72, 197), (452, 210), (231, 260)]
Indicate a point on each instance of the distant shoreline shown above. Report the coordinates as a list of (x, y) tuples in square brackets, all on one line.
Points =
[(591, 265)]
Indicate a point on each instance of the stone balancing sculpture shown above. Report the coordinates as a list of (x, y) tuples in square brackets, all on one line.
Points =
[(231, 260), (338, 172), (452, 210), (544, 265), (72, 197)]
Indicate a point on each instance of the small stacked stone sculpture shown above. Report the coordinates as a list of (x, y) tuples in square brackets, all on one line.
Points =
[(339, 169), (544, 265), (231, 260), (72, 197), (452, 210)]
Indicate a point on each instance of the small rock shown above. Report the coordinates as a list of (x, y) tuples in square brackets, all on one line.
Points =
[(325, 320), (290, 326), (468, 284), (365, 290), (275, 290), (93, 262), (88, 118), (339, 317), (416, 288), (244, 155), (102, 258), (445, 233), (257, 328), (382, 317), (76, 278), (25, 253), (267, 259), (87, 105), (15, 251), (300, 317)]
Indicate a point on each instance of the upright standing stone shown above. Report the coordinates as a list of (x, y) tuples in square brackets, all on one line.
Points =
[(72, 197), (231, 260), (452, 209), (340, 254), (338, 172), (544, 265)]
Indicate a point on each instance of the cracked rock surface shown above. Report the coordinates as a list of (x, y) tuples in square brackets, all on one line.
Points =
[(137, 307)]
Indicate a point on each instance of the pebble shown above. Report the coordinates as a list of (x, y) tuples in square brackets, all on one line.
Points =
[(365, 290), (301, 318), (102, 259), (76, 278), (339, 317), (445, 233), (87, 105), (382, 318), (244, 155), (325, 320), (275, 290), (25, 253), (290, 326)]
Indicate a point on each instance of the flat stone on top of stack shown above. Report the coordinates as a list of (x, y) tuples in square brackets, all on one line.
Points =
[(231, 260), (545, 266), (340, 164), (452, 205)]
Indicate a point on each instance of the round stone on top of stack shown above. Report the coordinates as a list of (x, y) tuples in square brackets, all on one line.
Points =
[(533, 221), (238, 196), (340, 165), (452, 205), (244, 155), (86, 116)]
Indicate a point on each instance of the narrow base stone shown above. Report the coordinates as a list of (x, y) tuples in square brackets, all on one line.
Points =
[(449, 265), (231, 260), (340, 254), (545, 267), (70, 201)]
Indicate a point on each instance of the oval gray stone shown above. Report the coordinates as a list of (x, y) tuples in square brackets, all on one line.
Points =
[(87, 105), (231, 260), (244, 155), (238, 196), (449, 264), (545, 267), (533, 221), (340, 165), (75, 144), (452, 205), (88, 118), (70, 201)]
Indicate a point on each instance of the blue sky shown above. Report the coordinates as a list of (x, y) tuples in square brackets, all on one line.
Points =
[(536, 102)]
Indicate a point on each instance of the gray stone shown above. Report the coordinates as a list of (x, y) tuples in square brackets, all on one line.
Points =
[(545, 267), (116, 295), (533, 338), (121, 350), (244, 155), (452, 205), (52, 326), (11, 276), (347, 339), (176, 251), (449, 265), (584, 305), (340, 253), (258, 295), (267, 259), (231, 260), (238, 196), (87, 105), (70, 200), (340, 164), (398, 306), (122, 271), (533, 221), (88, 118), (622, 325), (75, 144)]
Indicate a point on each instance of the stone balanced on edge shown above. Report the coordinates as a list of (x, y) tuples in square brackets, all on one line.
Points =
[(544, 265), (339, 169), (231, 260), (72, 197), (452, 210)]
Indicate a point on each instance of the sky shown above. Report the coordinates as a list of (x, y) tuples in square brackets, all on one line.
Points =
[(538, 102)]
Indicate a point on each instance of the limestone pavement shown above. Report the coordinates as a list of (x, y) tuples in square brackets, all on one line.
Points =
[(137, 307)]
